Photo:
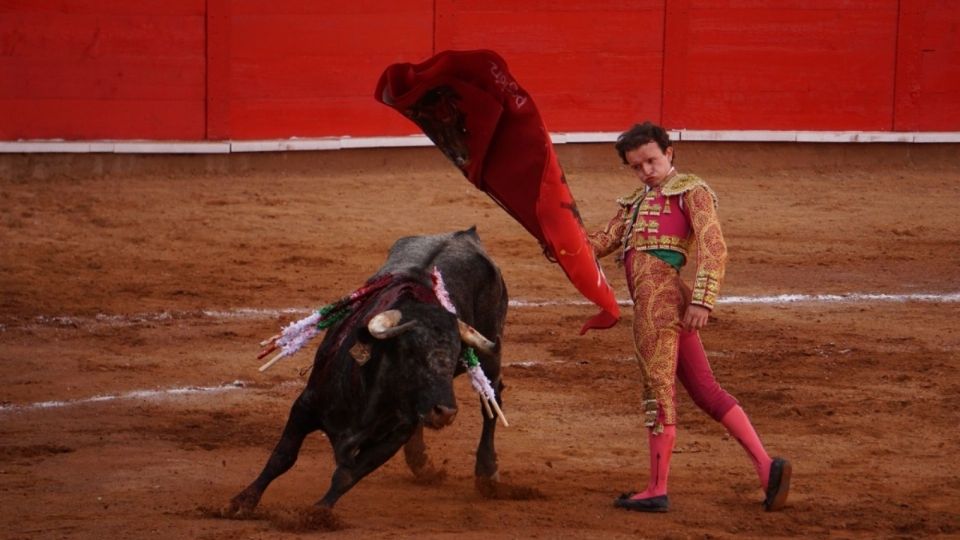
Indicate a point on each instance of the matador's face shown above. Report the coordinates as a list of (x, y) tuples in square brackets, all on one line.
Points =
[(651, 164)]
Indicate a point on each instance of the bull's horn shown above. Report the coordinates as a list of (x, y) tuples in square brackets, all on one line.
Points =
[(384, 325), (475, 339)]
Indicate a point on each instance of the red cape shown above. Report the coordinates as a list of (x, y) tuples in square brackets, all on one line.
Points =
[(478, 116)]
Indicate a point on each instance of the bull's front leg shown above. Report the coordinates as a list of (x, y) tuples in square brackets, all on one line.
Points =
[(486, 467), (487, 479), (415, 453), (359, 460), (300, 423)]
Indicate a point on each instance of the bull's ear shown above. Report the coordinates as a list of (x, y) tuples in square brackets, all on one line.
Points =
[(387, 324)]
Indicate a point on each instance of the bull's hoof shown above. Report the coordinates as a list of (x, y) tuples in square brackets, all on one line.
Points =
[(231, 511), (428, 474), (491, 488), (314, 518), (241, 506)]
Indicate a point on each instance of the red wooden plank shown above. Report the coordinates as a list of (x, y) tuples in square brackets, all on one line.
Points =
[(101, 69), (826, 7), (551, 31), (219, 69), (563, 108), (337, 116), (547, 6), (87, 37), (104, 7), (157, 79), (779, 65), (355, 34), (307, 77), (595, 92), (80, 119), (928, 67), (313, 59), (588, 65), (446, 30), (371, 8)]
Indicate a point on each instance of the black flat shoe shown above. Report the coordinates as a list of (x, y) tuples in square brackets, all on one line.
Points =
[(778, 486), (660, 503)]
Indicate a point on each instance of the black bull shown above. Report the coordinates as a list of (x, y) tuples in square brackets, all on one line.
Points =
[(372, 390)]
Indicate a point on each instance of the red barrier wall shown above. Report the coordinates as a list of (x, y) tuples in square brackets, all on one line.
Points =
[(824, 65), (303, 68), (247, 69), (590, 65), (928, 66), (95, 69)]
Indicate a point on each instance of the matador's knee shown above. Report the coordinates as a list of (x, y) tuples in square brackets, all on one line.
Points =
[(659, 409)]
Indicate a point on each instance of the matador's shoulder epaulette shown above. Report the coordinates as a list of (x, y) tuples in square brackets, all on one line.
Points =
[(631, 199), (682, 183)]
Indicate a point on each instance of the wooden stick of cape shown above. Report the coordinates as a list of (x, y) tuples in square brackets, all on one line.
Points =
[(477, 114)]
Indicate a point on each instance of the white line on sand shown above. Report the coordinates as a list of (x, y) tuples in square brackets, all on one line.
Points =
[(850, 298), (135, 394), (268, 313), (254, 313)]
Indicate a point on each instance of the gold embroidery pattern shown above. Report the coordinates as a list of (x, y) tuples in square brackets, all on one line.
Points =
[(658, 293), (706, 288), (683, 183), (648, 208), (672, 243), (711, 249), (610, 238), (628, 223), (631, 199), (658, 304), (650, 226)]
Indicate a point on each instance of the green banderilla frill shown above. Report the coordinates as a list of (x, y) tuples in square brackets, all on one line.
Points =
[(331, 314), (480, 382), (470, 358)]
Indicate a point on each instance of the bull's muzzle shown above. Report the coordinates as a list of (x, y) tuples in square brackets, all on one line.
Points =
[(439, 416)]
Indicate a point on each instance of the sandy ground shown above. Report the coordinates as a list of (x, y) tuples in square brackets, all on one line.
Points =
[(128, 277)]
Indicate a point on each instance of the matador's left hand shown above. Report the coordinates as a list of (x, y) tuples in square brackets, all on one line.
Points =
[(695, 317)]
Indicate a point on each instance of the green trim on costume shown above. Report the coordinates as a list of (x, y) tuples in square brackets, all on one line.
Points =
[(673, 258)]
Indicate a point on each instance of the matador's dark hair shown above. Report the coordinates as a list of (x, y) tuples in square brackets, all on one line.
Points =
[(639, 135)]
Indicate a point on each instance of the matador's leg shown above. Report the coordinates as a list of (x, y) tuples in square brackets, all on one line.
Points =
[(657, 301)]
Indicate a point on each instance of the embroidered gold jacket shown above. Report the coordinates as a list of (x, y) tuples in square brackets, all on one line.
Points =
[(671, 217)]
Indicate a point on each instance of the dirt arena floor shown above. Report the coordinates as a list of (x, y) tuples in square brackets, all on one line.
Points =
[(135, 290)]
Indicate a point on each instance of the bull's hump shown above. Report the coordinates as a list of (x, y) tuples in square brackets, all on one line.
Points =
[(424, 252)]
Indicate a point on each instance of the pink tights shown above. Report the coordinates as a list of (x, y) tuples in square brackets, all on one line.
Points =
[(695, 374), (693, 371)]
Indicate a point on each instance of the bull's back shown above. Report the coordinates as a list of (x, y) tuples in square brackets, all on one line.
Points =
[(472, 279), (454, 253)]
